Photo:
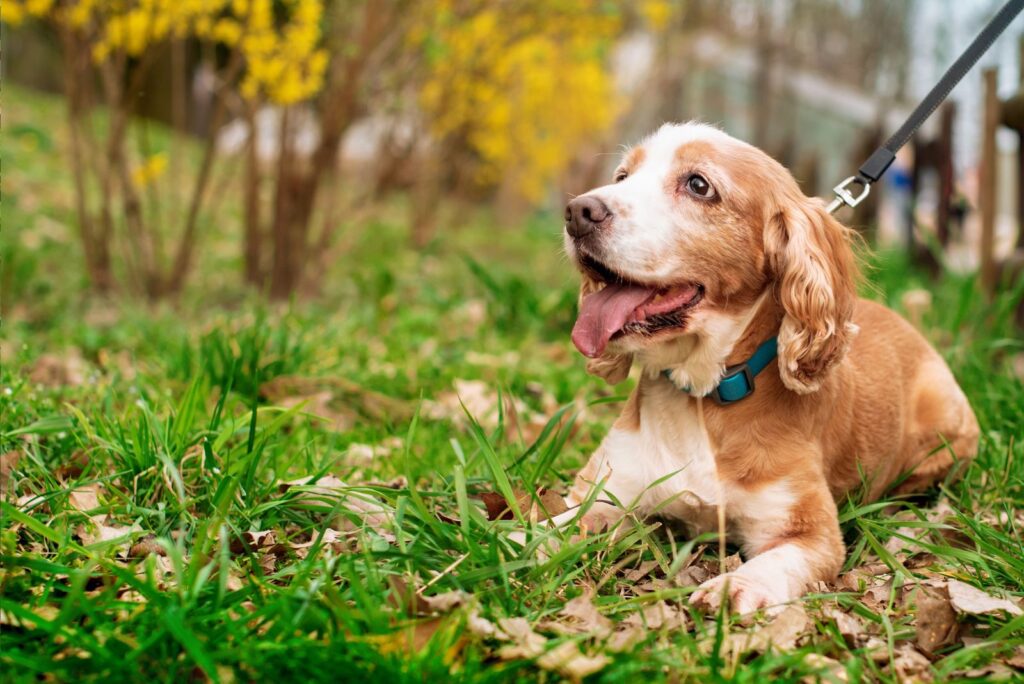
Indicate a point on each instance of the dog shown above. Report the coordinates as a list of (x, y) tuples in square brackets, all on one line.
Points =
[(769, 391)]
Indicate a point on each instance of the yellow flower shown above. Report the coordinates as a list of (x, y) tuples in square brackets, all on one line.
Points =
[(520, 84), (150, 171)]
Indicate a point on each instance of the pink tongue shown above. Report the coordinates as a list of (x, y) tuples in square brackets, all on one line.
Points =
[(603, 314)]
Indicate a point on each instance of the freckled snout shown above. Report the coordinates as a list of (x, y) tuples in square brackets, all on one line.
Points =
[(584, 215)]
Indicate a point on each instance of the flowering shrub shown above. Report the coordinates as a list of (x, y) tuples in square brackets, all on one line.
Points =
[(276, 56), (520, 83), (284, 59)]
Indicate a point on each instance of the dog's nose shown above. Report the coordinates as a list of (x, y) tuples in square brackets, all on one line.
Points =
[(584, 215)]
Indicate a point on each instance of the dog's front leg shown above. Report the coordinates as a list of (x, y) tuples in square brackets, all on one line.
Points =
[(605, 487), (790, 534)]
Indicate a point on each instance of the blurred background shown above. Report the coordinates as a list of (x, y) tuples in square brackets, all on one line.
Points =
[(212, 152)]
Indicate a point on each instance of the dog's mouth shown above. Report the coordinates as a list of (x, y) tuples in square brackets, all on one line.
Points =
[(626, 307)]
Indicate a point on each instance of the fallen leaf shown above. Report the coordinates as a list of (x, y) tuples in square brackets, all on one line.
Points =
[(972, 601), (783, 631), (498, 507), (935, 620), (993, 672), (525, 642), (96, 531), (480, 402), (480, 626), (637, 574), (331, 539), (365, 454), (410, 638), (625, 638), (52, 370), (732, 563), (656, 616), (908, 665), (85, 498), (580, 616), (341, 399), (74, 467), (319, 404), (8, 463), (568, 661), (444, 602), (146, 546), (849, 626), (327, 490), (829, 669), (693, 576)]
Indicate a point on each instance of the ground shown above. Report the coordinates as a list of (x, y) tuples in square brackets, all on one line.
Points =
[(223, 489)]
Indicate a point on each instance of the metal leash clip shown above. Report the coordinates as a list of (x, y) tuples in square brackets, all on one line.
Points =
[(847, 198)]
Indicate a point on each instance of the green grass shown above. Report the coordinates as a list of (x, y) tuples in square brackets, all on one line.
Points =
[(168, 422)]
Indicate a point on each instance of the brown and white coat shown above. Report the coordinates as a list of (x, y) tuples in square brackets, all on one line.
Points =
[(855, 397)]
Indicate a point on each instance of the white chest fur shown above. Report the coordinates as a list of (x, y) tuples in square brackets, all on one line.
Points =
[(667, 466)]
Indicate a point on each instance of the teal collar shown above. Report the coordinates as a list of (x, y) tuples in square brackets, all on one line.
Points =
[(738, 381)]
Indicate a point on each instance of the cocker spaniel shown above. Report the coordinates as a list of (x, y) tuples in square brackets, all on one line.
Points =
[(768, 389)]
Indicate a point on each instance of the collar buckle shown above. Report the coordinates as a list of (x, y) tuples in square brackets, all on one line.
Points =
[(736, 384)]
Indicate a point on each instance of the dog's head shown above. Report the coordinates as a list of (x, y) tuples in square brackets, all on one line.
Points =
[(695, 228)]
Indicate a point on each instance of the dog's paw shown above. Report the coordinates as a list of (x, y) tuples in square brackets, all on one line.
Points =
[(745, 594)]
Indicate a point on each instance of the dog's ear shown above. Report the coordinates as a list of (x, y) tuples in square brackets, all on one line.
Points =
[(613, 368), (812, 259)]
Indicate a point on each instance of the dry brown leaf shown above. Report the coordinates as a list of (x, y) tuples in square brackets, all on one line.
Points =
[(96, 530), (445, 602), (625, 638), (637, 574), (732, 563), (498, 508), (693, 576), (783, 631), (74, 467), (44, 613), (580, 616), (52, 370), (319, 404), (656, 616), (332, 539), (410, 638), (365, 454), (829, 670), (146, 546), (849, 625), (877, 597), (343, 398), (972, 601), (31, 501), (936, 621), (8, 463), (993, 672), (481, 402), (480, 626), (908, 665), (566, 659), (85, 498), (525, 642), (328, 489)]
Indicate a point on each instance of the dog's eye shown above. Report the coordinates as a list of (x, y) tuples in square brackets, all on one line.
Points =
[(698, 185), (621, 176)]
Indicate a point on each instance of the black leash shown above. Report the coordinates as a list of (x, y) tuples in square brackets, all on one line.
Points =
[(877, 164)]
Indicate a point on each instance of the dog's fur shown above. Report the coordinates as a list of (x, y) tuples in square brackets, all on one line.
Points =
[(855, 396)]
